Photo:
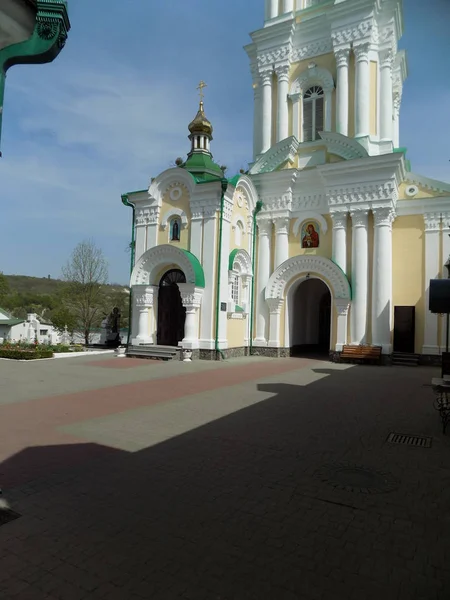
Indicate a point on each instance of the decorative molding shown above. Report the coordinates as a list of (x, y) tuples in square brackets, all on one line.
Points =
[(243, 260), (276, 55), (411, 191), (282, 72), (284, 151), (318, 265), (386, 57), (275, 305), (383, 216), (191, 296), (152, 261), (363, 194), (239, 219), (147, 216), (175, 212), (432, 221), (343, 146), (342, 307), (313, 76), (174, 177), (339, 218), (363, 31), (143, 296), (310, 216), (342, 56), (264, 226), (361, 52), (360, 217), (281, 225), (312, 49), (430, 184)]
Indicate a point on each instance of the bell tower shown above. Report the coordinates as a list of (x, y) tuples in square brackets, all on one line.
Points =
[(323, 67)]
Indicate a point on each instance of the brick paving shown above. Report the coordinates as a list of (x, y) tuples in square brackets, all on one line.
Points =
[(209, 484)]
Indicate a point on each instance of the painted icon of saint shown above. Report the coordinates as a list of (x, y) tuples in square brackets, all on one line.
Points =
[(310, 238)]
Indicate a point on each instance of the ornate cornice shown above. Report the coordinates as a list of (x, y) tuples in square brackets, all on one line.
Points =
[(363, 31), (432, 221), (286, 150), (273, 56), (312, 49), (147, 216), (363, 194)]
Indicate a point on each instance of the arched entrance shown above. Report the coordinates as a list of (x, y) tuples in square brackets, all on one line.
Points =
[(171, 312), (310, 317)]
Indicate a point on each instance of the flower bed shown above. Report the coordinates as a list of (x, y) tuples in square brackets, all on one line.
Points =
[(25, 354)]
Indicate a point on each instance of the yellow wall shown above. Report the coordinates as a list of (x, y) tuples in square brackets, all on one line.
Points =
[(167, 205), (244, 213), (236, 331), (408, 269), (325, 241), (422, 193), (373, 97)]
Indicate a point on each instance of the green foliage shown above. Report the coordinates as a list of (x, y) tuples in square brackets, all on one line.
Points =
[(4, 285), (62, 317), (24, 353)]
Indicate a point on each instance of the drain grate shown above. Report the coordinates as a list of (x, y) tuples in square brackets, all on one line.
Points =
[(409, 440), (7, 515)]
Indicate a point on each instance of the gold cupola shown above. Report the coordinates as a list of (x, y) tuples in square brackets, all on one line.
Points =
[(200, 125)]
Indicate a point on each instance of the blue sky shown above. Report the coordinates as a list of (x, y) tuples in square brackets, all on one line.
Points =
[(113, 109)]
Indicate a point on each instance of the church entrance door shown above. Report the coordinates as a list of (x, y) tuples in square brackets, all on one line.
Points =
[(310, 318), (171, 312)]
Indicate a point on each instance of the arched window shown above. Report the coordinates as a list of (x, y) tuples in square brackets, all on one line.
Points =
[(175, 228), (236, 284), (313, 113), (238, 234)]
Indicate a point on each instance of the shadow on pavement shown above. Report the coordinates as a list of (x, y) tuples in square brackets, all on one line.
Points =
[(234, 510)]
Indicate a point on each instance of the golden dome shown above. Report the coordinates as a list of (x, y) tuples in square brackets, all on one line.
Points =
[(201, 124)]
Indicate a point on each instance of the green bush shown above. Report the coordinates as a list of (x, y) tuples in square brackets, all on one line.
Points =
[(22, 354)]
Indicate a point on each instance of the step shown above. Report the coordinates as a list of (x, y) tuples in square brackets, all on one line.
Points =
[(153, 351)]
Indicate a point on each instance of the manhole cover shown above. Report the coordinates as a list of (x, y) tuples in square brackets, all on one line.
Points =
[(7, 515), (355, 478), (409, 440)]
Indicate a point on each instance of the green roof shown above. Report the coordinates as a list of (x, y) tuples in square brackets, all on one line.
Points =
[(201, 165), (231, 259), (197, 267), (11, 321), (6, 312), (234, 180)]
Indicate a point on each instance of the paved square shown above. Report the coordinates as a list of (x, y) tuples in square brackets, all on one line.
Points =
[(254, 478)]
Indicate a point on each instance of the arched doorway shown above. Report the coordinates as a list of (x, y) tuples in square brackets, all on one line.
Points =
[(310, 318), (171, 312)]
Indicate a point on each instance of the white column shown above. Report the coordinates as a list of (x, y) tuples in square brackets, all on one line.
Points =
[(443, 270), (275, 305), (209, 260), (272, 9), (256, 117), (339, 250), (143, 300), (281, 240), (360, 275), (283, 114), (386, 95), (362, 90), (342, 307), (262, 312), (266, 81), (196, 231), (295, 99), (382, 279), (396, 119), (328, 109), (288, 6), (432, 238), (191, 297), (152, 228), (226, 235), (342, 62), (140, 234)]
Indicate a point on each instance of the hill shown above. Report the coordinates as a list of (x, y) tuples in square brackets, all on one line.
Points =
[(24, 284)]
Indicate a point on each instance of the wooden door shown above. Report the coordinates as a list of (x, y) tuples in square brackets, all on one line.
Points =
[(171, 312), (404, 329)]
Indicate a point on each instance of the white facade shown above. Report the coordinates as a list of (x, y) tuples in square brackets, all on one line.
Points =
[(29, 330)]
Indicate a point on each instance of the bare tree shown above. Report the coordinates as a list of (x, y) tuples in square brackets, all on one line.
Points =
[(85, 273)]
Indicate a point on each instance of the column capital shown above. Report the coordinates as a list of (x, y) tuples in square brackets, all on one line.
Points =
[(266, 76), (191, 296), (281, 225), (342, 55), (144, 296), (360, 217), (295, 98), (342, 306), (386, 57), (383, 216), (340, 219), (282, 72), (362, 51), (264, 227), (432, 221), (275, 305), (446, 221)]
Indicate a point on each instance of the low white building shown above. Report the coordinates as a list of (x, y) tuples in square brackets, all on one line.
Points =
[(26, 330)]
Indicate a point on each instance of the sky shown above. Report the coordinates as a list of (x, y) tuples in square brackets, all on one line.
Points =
[(112, 111)]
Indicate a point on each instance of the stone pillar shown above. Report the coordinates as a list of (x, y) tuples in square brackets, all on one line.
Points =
[(328, 109), (443, 270), (191, 297), (342, 104), (266, 81), (281, 240), (275, 305), (382, 279), (282, 72), (432, 239), (262, 312), (386, 95), (140, 233), (339, 250), (362, 90), (342, 307), (288, 6), (396, 119), (271, 9), (209, 263), (143, 300), (196, 231), (256, 117), (360, 275), (295, 99)]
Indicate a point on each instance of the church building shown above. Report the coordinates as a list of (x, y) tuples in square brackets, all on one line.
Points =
[(330, 239)]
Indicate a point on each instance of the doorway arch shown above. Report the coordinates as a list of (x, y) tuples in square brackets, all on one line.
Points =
[(309, 317), (171, 312)]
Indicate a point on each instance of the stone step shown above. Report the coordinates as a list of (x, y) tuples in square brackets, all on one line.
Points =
[(405, 360), (153, 351)]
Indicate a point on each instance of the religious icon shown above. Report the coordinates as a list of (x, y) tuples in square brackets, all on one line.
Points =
[(310, 236), (175, 237)]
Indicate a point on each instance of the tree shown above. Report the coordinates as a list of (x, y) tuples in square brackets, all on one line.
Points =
[(85, 273), (4, 286)]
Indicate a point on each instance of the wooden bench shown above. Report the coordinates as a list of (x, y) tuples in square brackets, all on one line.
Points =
[(362, 353)]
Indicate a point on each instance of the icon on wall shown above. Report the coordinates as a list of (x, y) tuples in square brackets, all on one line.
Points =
[(310, 235)]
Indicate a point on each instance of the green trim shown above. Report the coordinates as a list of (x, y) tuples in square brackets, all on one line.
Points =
[(12, 321), (350, 291), (258, 209), (231, 259), (238, 309), (401, 149), (47, 41), (224, 184), (198, 269), (132, 193), (234, 180)]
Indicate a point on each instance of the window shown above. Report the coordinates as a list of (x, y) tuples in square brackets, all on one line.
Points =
[(175, 228), (313, 113), (235, 289), (238, 233)]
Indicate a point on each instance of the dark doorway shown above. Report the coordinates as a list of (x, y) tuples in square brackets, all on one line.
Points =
[(310, 319), (171, 312), (404, 329)]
